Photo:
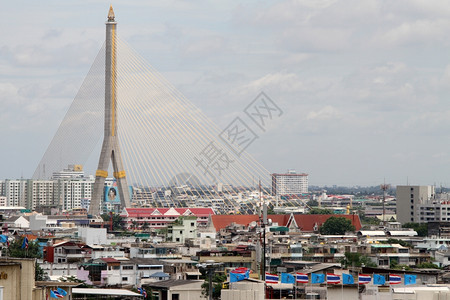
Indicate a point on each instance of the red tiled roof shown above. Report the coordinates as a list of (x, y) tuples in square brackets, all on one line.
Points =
[(304, 222), (146, 212), (307, 222), (280, 219), (222, 221)]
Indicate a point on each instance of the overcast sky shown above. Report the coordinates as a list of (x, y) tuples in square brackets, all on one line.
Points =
[(364, 85)]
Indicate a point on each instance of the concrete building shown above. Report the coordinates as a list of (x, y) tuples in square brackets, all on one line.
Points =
[(92, 236), (17, 279), (177, 289), (71, 193), (409, 199), (39, 193), (16, 192), (289, 183), (185, 228)]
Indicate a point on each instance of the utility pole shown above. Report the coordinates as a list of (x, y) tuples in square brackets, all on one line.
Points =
[(263, 226), (384, 187)]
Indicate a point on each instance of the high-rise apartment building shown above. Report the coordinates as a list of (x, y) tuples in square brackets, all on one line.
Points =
[(409, 200), (289, 183)]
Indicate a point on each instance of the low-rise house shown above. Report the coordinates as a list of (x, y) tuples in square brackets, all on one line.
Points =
[(131, 272), (238, 257), (184, 228), (176, 289), (17, 222)]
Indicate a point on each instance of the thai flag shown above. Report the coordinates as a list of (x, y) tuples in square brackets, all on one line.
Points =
[(55, 294), (25, 243), (394, 279), (364, 279), (301, 277), (271, 278), (333, 278)]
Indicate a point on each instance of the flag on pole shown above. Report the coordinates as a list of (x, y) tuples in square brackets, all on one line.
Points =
[(235, 277), (3, 238), (61, 291), (347, 279), (394, 279), (25, 243), (378, 279), (287, 278), (317, 278), (410, 279), (142, 292), (333, 278), (55, 294), (271, 278), (301, 277), (364, 279)]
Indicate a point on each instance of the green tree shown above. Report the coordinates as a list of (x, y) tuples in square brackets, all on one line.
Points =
[(396, 241), (218, 280), (320, 211), (336, 225), (421, 229), (427, 265), (354, 259), (15, 249), (312, 203), (39, 274), (117, 220)]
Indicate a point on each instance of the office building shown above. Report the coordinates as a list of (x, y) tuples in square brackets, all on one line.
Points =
[(289, 183), (409, 200)]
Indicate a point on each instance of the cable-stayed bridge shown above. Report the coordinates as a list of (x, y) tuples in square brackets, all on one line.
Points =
[(173, 155)]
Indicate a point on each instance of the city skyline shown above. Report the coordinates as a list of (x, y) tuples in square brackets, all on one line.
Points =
[(363, 86)]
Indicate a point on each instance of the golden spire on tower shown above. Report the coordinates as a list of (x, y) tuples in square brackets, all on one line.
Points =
[(111, 14)]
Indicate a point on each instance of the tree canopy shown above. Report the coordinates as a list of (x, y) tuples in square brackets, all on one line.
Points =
[(336, 225), (15, 249), (117, 220), (421, 229), (355, 259), (320, 211)]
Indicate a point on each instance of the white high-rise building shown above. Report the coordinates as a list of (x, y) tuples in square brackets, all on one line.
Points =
[(409, 200), (40, 193), (71, 192), (16, 192), (289, 183)]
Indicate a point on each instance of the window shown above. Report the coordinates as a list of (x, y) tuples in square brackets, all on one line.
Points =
[(175, 296), (127, 268), (177, 239), (124, 278)]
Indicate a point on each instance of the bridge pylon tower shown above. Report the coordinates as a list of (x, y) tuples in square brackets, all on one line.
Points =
[(110, 147)]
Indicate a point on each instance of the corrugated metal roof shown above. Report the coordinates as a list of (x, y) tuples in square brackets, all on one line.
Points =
[(111, 292), (403, 233)]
